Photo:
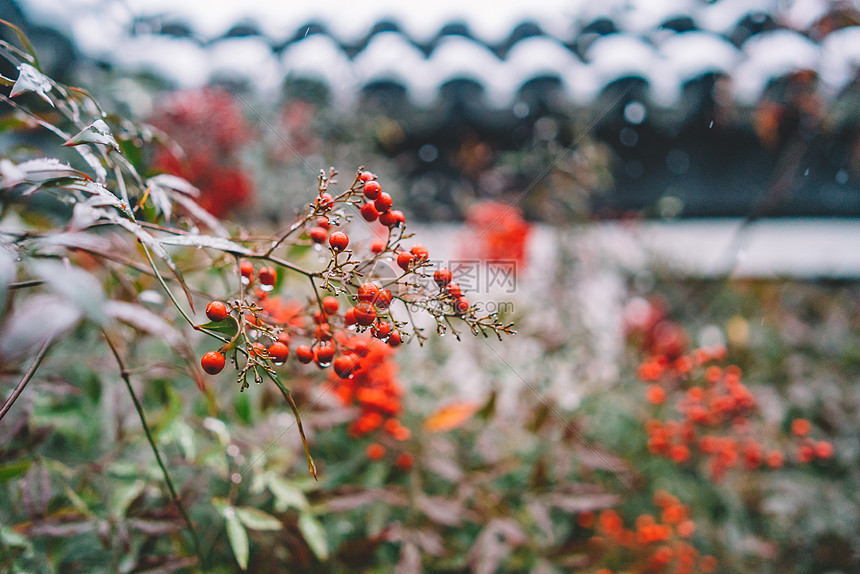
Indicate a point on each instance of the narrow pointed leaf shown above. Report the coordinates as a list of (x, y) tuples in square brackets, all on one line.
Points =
[(200, 214), (289, 398), (238, 537), (257, 519), (287, 495), (228, 326), (97, 132), (25, 41), (175, 183), (314, 535), (210, 241), (32, 80)]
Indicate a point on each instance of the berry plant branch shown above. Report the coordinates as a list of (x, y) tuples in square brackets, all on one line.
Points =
[(124, 374)]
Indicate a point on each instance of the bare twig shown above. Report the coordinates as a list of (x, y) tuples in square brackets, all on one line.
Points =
[(16, 392)]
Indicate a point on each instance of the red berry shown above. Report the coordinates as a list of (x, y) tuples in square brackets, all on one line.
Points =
[(378, 245), (372, 189), (304, 354), (399, 218), (246, 268), (404, 260), (442, 277), (338, 240), (367, 292), (323, 222), (213, 362), (383, 202), (349, 317), (258, 350), (404, 461), (323, 332), (330, 305), (368, 212), (325, 201), (383, 300), (420, 252), (365, 314), (279, 352), (216, 311), (387, 218), (381, 330), (394, 340), (344, 365), (454, 290), (267, 275), (318, 234), (461, 305), (360, 347), (323, 355), (366, 176), (375, 451), (284, 338)]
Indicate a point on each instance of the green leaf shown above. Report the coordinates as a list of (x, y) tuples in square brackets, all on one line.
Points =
[(210, 241), (238, 537), (13, 470), (287, 495), (228, 326), (257, 519), (32, 80), (97, 132), (314, 535)]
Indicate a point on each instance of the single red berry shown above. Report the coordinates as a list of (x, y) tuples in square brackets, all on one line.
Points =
[(216, 311), (365, 314), (323, 332), (404, 461), (323, 355), (404, 260), (344, 365), (366, 176), (399, 218), (318, 234), (375, 451), (377, 245), (323, 222), (394, 340), (823, 449), (367, 292), (338, 240), (267, 276), (349, 317), (325, 201), (284, 338), (304, 354), (383, 300), (368, 212), (360, 347), (381, 330), (372, 189), (279, 352), (420, 252), (461, 305), (387, 218), (319, 318), (331, 305), (454, 290), (442, 277), (383, 202), (213, 362), (246, 268)]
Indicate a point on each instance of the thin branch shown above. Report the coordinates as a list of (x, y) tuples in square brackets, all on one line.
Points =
[(124, 373), (26, 379)]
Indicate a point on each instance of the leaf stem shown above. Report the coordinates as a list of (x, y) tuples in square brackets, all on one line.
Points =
[(19, 388)]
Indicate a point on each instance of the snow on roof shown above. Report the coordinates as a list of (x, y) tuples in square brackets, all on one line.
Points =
[(770, 55)]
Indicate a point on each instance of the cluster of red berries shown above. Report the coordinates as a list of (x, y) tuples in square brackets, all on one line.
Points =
[(656, 543), (714, 404)]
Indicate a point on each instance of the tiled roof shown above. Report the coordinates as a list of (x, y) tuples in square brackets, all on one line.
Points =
[(500, 46)]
